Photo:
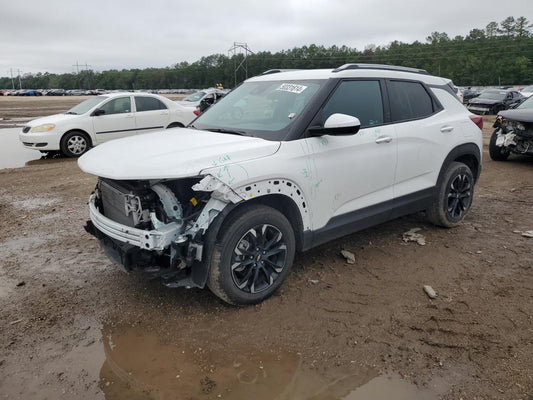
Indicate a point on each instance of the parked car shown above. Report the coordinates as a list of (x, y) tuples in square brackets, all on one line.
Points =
[(283, 163), (56, 92), (31, 92), (102, 118), (514, 132), (527, 91), (207, 95), (78, 92), (469, 94), (492, 101)]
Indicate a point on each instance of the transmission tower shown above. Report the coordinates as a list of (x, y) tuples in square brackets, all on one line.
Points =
[(237, 49)]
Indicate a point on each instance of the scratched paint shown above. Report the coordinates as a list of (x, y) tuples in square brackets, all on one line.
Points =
[(231, 172)]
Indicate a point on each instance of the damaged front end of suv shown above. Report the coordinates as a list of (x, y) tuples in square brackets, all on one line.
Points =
[(513, 134), (159, 226)]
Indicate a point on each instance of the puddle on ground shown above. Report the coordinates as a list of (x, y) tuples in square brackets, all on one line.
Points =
[(387, 387), (12, 153), (139, 365)]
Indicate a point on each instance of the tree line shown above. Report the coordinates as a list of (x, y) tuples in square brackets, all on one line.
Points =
[(499, 54)]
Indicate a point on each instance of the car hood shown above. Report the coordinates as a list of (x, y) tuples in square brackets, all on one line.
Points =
[(51, 119), (520, 115), (477, 100), (173, 153)]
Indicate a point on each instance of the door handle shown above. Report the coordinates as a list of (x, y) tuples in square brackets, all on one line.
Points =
[(385, 139), (445, 129), (129, 116)]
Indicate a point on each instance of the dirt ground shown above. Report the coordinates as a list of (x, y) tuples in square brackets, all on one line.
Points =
[(75, 327)]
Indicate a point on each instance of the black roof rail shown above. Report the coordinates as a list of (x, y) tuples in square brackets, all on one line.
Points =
[(380, 66), (275, 71)]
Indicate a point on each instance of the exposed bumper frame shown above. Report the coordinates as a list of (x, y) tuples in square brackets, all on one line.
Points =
[(158, 239)]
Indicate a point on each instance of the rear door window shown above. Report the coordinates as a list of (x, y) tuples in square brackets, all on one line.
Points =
[(409, 100), (148, 104)]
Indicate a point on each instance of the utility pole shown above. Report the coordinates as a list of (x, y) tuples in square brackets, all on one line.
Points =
[(240, 48), (77, 67), (87, 75), (20, 82), (12, 82)]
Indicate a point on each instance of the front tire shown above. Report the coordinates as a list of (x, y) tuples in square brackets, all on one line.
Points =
[(497, 153), (74, 144), (454, 196), (252, 256)]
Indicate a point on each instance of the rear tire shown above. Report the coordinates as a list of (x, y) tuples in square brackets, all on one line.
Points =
[(497, 153), (252, 256), (454, 196)]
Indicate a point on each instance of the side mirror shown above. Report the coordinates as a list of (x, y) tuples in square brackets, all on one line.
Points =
[(337, 124), (97, 112)]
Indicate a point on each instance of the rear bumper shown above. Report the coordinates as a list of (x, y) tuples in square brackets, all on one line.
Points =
[(479, 108)]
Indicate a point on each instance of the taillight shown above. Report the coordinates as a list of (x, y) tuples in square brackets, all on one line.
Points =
[(478, 120), (196, 112)]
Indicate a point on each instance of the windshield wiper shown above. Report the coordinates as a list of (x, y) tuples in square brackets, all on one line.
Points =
[(71, 112), (230, 131)]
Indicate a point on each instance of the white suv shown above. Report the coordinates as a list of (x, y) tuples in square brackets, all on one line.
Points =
[(286, 161)]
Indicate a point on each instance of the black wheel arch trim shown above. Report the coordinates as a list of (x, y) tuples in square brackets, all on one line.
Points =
[(200, 269), (462, 153)]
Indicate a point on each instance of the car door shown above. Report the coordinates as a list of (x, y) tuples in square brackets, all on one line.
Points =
[(348, 174), (150, 114), (114, 119), (423, 133)]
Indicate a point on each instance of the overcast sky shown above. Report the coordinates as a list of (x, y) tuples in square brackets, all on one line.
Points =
[(52, 35)]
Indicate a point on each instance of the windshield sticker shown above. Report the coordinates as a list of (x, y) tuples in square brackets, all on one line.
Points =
[(291, 87)]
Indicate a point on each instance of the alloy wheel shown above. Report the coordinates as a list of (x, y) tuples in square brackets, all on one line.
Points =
[(258, 258), (459, 196), (77, 144)]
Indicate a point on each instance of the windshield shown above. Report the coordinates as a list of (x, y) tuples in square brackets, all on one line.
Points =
[(493, 94), (86, 105), (265, 109), (527, 104), (194, 97)]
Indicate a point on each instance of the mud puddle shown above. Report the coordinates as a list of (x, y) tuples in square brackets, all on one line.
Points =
[(12, 153), (140, 365)]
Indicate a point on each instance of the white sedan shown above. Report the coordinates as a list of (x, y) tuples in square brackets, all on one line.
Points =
[(102, 118)]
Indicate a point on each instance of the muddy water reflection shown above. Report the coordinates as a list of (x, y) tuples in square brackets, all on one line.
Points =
[(140, 365), (12, 153)]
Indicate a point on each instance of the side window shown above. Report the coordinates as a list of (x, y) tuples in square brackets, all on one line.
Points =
[(117, 106), (409, 100), (148, 104), (361, 99)]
